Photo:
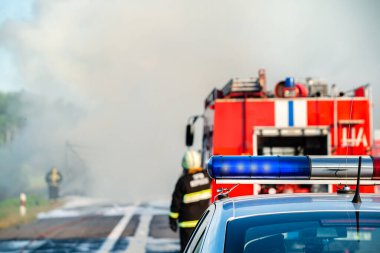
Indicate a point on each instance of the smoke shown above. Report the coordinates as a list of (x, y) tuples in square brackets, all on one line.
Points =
[(135, 70)]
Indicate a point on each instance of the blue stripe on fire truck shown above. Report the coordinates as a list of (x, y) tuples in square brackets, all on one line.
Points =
[(291, 113)]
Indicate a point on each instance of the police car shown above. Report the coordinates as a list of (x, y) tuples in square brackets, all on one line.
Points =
[(342, 222)]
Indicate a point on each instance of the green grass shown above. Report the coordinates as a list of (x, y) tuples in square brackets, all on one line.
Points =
[(9, 210)]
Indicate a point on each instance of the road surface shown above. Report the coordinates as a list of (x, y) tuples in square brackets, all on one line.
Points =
[(86, 225)]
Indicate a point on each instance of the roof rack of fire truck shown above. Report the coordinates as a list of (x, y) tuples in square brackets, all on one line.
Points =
[(289, 88), (240, 87), (237, 88)]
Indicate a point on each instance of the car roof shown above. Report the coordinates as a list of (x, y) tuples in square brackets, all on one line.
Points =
[(285, 203)]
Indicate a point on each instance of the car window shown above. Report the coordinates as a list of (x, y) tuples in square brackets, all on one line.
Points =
[(198, 235), (309, 232)]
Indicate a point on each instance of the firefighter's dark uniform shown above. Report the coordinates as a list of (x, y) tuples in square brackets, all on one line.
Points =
[(190, 199), (53, 179)]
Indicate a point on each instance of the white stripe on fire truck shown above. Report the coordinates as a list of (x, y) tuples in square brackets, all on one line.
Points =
[(300, 113), (281, 113)]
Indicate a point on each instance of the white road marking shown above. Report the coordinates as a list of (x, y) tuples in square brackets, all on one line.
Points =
[(138, 242), (163, 245), (117, 231)]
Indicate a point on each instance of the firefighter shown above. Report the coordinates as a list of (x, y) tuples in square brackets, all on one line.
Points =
[(53, 179), (190, 198)]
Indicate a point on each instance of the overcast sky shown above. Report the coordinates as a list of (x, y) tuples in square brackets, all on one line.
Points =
[(140, 68)]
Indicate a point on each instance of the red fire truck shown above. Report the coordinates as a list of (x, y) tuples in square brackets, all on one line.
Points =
[(297, 118)]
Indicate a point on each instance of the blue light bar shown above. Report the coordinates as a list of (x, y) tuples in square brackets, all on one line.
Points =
[(259, 167)]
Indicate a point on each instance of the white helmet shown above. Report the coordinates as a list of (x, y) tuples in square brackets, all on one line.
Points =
[(191, 160)]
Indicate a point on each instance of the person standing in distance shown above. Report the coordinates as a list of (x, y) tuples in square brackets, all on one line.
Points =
[(53, 179), (190, 198)]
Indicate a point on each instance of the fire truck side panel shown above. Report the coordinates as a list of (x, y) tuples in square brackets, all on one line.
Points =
[(228, 138), (320, 113), (258, 113), (228, 135), (354, 130)]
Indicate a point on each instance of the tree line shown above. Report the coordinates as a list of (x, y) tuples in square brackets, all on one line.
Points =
[(11, 116)]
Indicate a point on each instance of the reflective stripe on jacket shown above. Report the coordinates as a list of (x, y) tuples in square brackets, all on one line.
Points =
[(188, 224), (197, 196)]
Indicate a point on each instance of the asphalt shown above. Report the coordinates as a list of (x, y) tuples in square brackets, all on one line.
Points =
[(85, 225)]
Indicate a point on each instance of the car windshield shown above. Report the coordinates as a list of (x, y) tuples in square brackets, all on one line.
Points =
[(308, 232)]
